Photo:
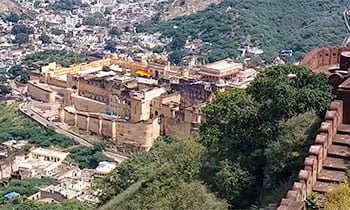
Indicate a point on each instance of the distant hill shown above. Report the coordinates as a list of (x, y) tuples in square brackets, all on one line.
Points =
[(272, 25)]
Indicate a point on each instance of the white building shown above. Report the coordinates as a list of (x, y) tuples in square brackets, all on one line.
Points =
[(104, 168)]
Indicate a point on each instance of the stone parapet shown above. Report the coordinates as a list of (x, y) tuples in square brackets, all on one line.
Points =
[(319, 59), (313, 164)]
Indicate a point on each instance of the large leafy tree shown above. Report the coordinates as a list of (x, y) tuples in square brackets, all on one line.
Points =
[(285, 156), (287, 90), (260, 136)]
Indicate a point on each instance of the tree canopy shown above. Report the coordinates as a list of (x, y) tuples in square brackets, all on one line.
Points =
[(164, 178), (262, 134), (87, 157), (64, 58), (22, 29), (15, 126)]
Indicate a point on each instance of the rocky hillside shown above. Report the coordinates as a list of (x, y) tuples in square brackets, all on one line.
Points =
[(179, 8)]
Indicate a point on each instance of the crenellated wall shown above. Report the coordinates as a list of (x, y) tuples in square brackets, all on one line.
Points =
[(320, 58), (294, 200)]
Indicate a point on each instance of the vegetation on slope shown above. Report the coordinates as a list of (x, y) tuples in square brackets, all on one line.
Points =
[(87, 157), (339, 198), (63, 58), (24, 187), (32, 205), (164, 178), (252, 146), (273, 25), (263, 133), (15, 126)]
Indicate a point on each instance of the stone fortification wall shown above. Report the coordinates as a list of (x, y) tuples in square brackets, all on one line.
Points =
[(39, 93), (59, 71), (128, 136), (317, 59), (294, 200), (56, 82), (133, 66), (88, 105)]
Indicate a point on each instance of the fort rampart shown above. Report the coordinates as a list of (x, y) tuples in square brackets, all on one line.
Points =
[(128, 136), (294, 200), (319, 58)]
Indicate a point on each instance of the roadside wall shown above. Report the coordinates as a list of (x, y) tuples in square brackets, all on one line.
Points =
[(128, 136), (40, 93)]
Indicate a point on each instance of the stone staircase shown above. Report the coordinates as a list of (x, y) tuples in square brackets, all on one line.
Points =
[(326, 164), (335, 164)]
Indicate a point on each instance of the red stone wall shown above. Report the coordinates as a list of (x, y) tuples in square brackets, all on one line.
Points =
[(315, 159), (323, 57)]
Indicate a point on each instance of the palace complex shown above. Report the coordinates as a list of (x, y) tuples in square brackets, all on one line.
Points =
[(133, 103)]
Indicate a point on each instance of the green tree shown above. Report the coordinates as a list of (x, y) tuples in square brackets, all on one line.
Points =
[(87, 157), (262, 134), (287, 90), (338, 198), (21, 38), (4, 89), (97, 19), (13, 17), (164, 178), (111, 46), (66, 4), (66, 205), (274, 25), (285, 156), (44, 38), (176, 57), (15, 126), (115, 31), (21, 29), (17, 71)]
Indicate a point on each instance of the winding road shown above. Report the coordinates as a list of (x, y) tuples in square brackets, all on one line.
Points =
[(26, 108)]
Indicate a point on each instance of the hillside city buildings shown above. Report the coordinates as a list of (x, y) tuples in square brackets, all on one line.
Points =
[(71, 182)]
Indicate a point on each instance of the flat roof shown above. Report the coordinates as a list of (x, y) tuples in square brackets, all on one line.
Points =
[(223, 65), (11, 195), (106, 167), (52, 153), (89, 71)]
